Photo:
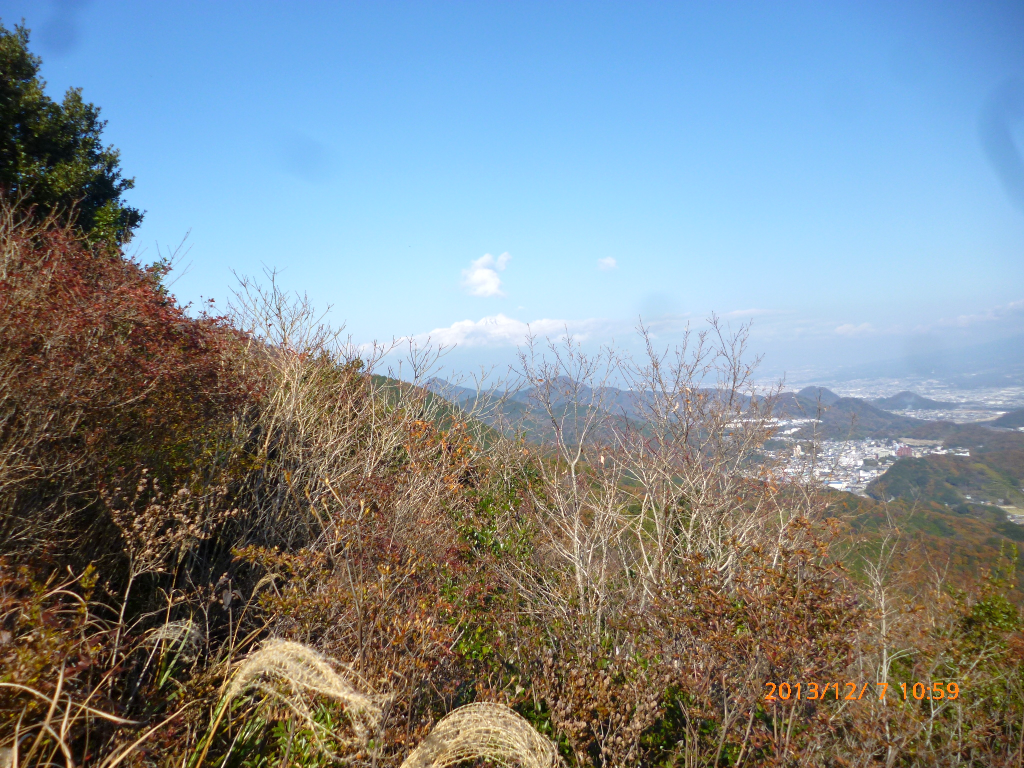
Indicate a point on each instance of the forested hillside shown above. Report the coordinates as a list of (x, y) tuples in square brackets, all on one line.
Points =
[(951, 480), (1011, 420)]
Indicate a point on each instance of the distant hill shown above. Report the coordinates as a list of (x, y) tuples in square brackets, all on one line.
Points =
[(1012, 420), (855, 418), (519, 410), (994, 470), (956, 481), (816, 394), (462, 396), (842, 418), (979, 438), (998, 448), (909, 401)]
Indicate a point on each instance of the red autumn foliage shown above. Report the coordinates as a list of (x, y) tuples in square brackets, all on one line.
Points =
[(101, 372)]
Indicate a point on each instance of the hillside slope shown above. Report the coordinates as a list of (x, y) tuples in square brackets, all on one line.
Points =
[(933, 538), (955, 481), (948, 506), (1011, 420)]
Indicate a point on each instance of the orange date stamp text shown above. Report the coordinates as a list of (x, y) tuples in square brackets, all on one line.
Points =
[(855, 692)]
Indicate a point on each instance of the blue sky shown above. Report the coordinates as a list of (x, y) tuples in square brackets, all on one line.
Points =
[(830, 170)]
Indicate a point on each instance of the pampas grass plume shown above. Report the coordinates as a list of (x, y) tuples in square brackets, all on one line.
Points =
[(483, 731), (302, 670)]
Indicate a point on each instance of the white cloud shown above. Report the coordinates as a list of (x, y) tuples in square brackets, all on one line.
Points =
[(1001, 312), (606, 263), (481, 279), (849, 329), (501, 331)]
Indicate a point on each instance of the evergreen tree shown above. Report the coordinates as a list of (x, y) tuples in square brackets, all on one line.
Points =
[(51, 154)]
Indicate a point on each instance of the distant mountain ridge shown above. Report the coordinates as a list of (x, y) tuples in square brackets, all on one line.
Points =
[(837, 418), (909, 401), (841, 418)]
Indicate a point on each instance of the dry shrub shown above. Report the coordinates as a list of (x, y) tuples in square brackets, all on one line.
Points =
[(105, 383), (372, 587), (790, 618), (601, 701), (638, 481), (54, 655), (918, 629), (101, 374), (351, 513), (673, 575)]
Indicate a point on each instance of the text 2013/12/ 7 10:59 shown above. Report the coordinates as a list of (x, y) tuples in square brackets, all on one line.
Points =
[(855, 692)]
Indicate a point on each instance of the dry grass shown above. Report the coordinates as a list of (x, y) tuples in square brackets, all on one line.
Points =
[(287, 670), (483, 731)]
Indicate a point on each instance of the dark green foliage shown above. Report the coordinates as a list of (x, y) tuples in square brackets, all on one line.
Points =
[(52, 158), (992, 615)]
